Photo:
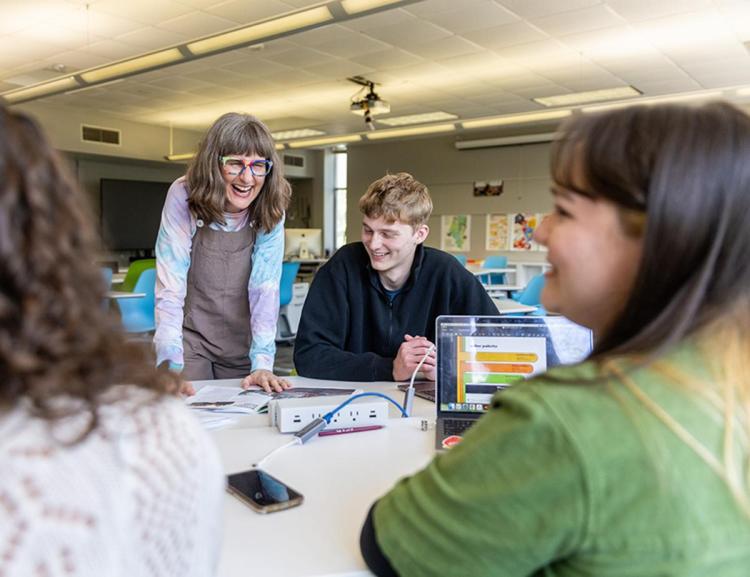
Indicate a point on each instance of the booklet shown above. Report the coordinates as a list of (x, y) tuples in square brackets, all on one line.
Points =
[(236, 400)]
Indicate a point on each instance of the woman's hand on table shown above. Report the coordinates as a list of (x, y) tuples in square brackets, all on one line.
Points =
[(266, 380)]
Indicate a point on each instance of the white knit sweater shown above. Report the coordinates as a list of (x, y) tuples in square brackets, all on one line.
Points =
[(141, 496)]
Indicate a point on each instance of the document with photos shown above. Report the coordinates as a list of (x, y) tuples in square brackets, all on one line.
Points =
[(236, 400)]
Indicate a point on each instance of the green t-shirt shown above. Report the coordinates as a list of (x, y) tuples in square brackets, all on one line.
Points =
[(574, 479)]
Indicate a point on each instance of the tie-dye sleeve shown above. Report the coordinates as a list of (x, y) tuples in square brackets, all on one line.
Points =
[(173, 245), (263, 295)]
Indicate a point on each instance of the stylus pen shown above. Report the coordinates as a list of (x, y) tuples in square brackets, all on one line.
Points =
[(329, 432)]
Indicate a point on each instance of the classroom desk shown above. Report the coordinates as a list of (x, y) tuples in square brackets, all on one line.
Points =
[(339, 476), (511, 307), (124, 295), (501, 289)]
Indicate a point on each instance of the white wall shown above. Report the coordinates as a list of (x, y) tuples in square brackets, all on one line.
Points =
[(449, 174)]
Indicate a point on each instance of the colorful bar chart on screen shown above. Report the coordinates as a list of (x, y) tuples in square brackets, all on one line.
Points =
[(488, 364)]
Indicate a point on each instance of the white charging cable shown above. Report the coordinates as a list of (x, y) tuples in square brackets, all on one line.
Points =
[(409, 393)]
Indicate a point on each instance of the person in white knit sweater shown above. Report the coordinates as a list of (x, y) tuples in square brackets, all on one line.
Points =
[(103, 471)]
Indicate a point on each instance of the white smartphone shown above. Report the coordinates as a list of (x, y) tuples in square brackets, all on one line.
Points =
[(262, 492)]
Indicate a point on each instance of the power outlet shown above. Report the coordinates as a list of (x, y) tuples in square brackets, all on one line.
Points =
[(290, 415)]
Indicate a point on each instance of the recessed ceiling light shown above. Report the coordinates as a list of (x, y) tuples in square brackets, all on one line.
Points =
[(590, 96), (417, 118), (298, 133), (511, 119)]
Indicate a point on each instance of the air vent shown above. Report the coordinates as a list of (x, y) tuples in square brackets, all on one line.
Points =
[(290, 160), (101, 135)]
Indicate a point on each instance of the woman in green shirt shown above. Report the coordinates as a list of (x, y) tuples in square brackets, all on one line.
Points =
[(635, 463)]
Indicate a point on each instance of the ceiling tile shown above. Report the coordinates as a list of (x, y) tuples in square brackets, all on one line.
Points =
[(151, 38), (591, 18), (197, 24), (301, 58), (537, 8), (506, 35), (244, 12), (409, 32), (449, 47), (144, 11), (389, 59), (339, 68), (475, 17), (637, 10)]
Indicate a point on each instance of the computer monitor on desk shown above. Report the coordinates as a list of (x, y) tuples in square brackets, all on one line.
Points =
[(303, 243)]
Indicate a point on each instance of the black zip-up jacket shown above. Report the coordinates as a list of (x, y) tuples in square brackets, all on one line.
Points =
[(349, 329)]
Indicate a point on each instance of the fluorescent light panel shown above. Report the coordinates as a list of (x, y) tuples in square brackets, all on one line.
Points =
[(395, 133), (357, 6), (698, 96), (416, 118), (266, 29), (516, 119), (299, 133), (178, 157), (139, 64), (50, 87), (341, 139), (590, 96)]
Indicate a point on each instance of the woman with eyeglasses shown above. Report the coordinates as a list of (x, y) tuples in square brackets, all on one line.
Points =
[(218, 258)]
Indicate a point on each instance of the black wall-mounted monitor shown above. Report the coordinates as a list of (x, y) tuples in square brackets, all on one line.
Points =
[(131, 213)]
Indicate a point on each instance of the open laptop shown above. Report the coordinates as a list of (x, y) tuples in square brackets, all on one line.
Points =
[(479, 355)]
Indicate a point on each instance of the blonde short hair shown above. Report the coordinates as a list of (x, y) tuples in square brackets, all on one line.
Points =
[(397, 197)]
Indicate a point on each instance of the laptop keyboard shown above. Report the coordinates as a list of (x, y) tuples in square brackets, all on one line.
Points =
[(456, 426)]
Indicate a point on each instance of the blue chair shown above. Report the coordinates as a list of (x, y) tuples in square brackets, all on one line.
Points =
[(137, 314), (289, 272), (532, 294), (461, 258), (494, 261)]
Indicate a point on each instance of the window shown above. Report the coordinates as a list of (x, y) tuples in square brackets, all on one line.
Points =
[(339, 195)]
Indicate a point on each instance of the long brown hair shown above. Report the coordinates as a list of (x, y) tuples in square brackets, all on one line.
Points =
[(56, 340), (243, 134), (686, 172)]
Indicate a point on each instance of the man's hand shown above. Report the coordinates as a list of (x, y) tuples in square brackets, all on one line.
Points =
[(409, 354), (266, 380)]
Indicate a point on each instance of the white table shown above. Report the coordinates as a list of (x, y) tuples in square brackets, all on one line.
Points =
[(124, 295), (501, 289), (340, 477), (510, 307)]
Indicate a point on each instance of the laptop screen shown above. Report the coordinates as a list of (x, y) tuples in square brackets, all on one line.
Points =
[(479, 355)]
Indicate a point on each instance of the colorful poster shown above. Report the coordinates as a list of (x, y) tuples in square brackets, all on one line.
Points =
[(522, 232), (498, 232), (456, 232)]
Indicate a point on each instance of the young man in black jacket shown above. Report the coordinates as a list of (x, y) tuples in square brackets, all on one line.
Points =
[(370, 313)]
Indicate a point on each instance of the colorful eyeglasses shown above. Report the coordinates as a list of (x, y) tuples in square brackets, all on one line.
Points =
[(234, 166)]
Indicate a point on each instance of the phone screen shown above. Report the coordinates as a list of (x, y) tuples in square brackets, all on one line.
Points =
[(263, 492)]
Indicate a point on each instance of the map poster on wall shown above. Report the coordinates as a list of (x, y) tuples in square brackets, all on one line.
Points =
[(456, 232), (522, 231), (498, 232)]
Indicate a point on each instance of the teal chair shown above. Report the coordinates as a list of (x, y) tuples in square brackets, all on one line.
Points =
[(532, 294), (137, 314), (494, 261), (289, 272), (461, 258)]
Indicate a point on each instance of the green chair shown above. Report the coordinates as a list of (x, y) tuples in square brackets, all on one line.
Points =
[(134, 271)]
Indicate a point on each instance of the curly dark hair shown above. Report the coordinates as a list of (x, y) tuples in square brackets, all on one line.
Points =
[(56, 339), (235, 133)]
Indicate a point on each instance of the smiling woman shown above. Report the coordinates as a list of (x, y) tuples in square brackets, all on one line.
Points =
[(218, 258)]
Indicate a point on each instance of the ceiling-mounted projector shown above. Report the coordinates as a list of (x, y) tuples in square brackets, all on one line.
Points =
[(370, 104)]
